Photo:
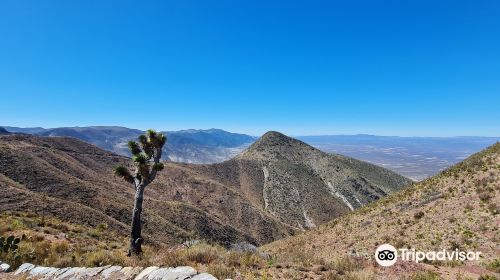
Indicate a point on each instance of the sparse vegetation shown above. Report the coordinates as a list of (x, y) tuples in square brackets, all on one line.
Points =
[(487, 277), (64, 244), (494, 265), (418, 215), (70, 245), (424, 275), (425, 219)]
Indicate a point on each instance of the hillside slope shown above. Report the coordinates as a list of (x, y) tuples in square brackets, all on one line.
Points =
[(293, 168), (458, 208), (233, 201), (74, 181), (3, 131)]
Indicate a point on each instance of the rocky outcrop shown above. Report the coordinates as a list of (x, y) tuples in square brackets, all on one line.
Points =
[(30, 271), (4, 267)]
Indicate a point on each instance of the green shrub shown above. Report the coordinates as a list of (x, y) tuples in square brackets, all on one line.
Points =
[(487, 277), (425, 275), (494, 266), (418, 215)]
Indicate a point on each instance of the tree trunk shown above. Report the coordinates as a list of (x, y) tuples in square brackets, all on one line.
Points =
[(135, 234)]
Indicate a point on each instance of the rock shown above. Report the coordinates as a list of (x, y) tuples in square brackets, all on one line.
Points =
[(51, 273), (24, 268), (40, 270), (243, 247), (191, 243), (57, 273), (88, 273), (178, 273), (318, 268), (106, 273), (70, 273), (4, 267), (62, 235), (127, 273), (203, 276), (30, 271), (143, 275)]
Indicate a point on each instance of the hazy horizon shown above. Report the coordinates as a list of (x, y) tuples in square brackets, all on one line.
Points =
[(257, 135)]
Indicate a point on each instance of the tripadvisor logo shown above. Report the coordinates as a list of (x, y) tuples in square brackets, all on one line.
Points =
[(387, 255)]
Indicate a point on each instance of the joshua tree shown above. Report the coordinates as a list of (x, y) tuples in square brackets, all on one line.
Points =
[(146, 154)]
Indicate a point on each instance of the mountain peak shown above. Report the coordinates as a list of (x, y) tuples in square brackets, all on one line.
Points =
[(273, 145), (274, 135)]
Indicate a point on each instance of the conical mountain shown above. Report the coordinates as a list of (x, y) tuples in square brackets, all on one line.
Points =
[(274, 146), (354, 182)]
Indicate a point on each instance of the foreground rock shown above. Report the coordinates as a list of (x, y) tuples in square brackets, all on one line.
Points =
[(30, 271), (4, 267)]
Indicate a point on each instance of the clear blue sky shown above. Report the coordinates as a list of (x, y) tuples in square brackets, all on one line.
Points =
[(425, 68)]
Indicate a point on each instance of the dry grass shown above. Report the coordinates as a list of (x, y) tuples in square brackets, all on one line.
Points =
[(424, 275), (59, 244), (51, 242), (214, 259)]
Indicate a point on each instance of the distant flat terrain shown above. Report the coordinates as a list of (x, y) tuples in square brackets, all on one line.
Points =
[(413, 157)]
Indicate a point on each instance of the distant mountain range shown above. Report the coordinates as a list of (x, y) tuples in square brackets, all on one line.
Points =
[(413, 157), (191, 146), (277, 187)]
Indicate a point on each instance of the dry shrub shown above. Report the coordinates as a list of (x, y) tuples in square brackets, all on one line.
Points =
[(101, 258), (221, 271), (352, 275), (203, 253), (424, 275), (171, 259), (345, 265), (43, 245)]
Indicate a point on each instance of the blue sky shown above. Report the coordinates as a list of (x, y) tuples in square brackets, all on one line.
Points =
[(409, 68)]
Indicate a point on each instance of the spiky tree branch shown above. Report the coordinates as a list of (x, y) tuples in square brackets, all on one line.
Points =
[(146, 155)]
